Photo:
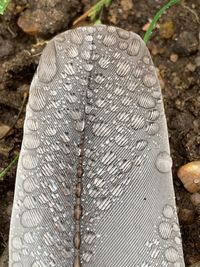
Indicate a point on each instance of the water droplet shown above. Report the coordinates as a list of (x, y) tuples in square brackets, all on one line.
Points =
[(141, 144), (80, 126), (177, 240), (31, 141), (134, 47), (72, 51), (123, 45), (153, 114), (163, 162), (146, 60), (17, 243), (125, 165), (168, 211), (121, 140), (30, 202), (76, 36), (171, 254), (123, 33), (47, 66), (71, 97), (101, 129), (85, 54), (149, 80), (165, 230), (87, 256), (37, 99), (76, 114), (119, 90), (123, 68), (89, 237), (146, 101), (29, 161), (88, 67), (50, 131), (32, 124), (109, 40), (137, 122), (152, 128), (108, 158), (30, 185), (104, 62), (47, 169), (103, 203), (124, 117), (38, 264), (31, 218), (48, 239), (29, 238), (69, 68), (100, 103)]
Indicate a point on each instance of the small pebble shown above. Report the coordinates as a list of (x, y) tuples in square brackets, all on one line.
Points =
[(3, 130), (174, 57), (197, 264), (189, 174), (197, 61), (187, 43), (166, 30), (191, 67), (195, 199), (186, 216)]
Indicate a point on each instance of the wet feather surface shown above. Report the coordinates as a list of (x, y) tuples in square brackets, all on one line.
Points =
[(94, 185)]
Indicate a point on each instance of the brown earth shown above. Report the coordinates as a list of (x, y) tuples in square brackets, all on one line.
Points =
[(175, 48)]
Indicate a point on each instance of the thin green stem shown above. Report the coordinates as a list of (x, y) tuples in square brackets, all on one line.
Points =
[(156, 18), (6, 170), (97, 8), (3, 5)]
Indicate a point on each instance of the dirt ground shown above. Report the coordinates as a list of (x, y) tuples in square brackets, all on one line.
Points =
[(175, 48)]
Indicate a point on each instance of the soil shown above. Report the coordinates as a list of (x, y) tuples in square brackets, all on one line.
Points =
[(175, 48)]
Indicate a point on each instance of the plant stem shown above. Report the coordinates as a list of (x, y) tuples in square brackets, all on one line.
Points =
[(156, 18), (3, 5), (6, 170)]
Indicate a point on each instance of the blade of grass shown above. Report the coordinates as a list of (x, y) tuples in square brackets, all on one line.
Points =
[(3, 5), (93, 12), (156, 18), (8, 168)]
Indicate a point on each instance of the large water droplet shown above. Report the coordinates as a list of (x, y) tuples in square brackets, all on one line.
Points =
[(31, 218), (149, 80), (171, 254), (31, 141), (134, 47), (17, 243), (29, 161), (146, 101), (163, 162), (32, 124), (109, 40)]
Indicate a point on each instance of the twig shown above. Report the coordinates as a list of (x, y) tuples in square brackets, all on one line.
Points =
[(18, 116), (6, 170)]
